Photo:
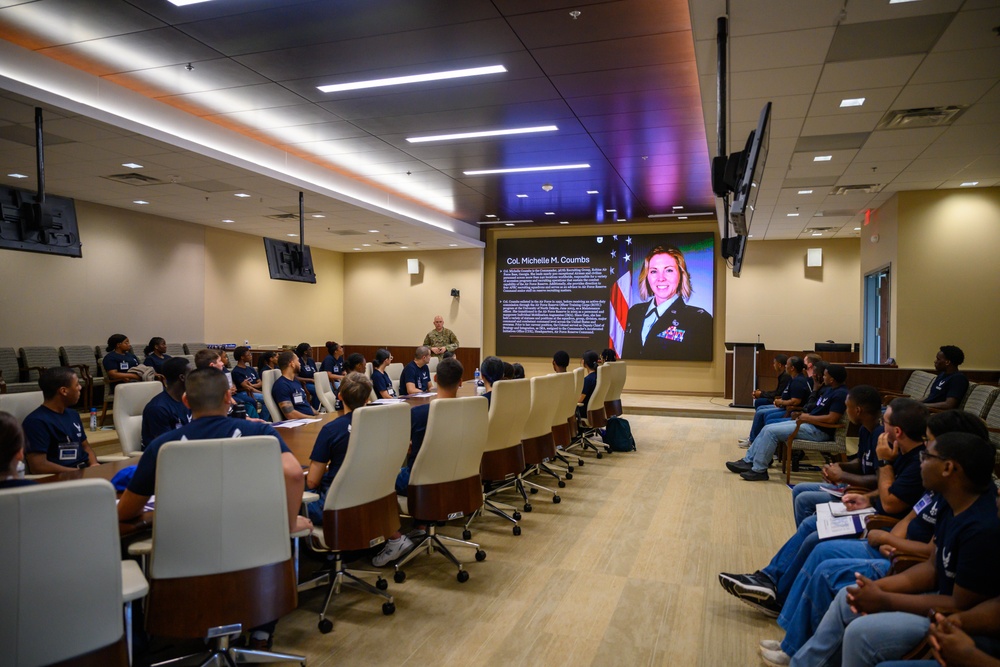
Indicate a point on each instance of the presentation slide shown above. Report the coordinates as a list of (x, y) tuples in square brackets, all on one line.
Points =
[(647, 296)]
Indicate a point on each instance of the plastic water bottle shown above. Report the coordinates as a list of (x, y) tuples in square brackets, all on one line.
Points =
[(93, 419), (480, 387)]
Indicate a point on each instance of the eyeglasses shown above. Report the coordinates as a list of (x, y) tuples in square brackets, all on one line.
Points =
[(924, 455)]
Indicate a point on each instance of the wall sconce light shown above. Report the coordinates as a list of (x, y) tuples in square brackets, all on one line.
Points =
[(454, 292)]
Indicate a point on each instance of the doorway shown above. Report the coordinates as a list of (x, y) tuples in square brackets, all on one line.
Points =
[(876, 334)]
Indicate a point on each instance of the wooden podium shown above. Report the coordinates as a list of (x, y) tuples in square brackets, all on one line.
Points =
[(744, 372)]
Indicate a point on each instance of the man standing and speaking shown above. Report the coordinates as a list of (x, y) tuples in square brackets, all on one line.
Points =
[(441, 340)]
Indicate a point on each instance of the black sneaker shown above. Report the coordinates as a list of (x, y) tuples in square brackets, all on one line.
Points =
[(739, 466), (754, 476), (767, 607), (756, 586)]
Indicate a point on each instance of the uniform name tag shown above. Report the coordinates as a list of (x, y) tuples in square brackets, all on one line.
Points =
[(298, 399), (673, 333), (922, 504), (68, 452), (123, 365)]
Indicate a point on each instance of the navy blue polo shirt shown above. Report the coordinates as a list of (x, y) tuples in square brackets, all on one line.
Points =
[(333, 365), (589, 383), (921, 529), (162, 414), (113, 361), (59, 436), (241, 375), (307, 367), (285, 390), (331, 448), (420, 376), (967, 545), (867, 442), (834, 400), (799, 387), (418, 429), (908, 486), (382, 382), (143, 482), (948, 386), (155, 362)]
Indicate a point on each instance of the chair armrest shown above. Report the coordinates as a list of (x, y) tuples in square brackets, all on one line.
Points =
[(141, 547), (309, 497), (880, 522), (112, 458), (904, 561), (134, 584)]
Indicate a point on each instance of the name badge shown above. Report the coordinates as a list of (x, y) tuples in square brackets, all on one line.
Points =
[(673, 333), (123, 366), (69, 451), (298, 399), (922, 504)]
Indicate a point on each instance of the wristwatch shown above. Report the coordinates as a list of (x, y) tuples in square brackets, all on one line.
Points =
[(884, 462)]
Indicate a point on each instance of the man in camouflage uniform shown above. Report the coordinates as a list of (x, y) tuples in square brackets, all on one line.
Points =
[(441, 340)]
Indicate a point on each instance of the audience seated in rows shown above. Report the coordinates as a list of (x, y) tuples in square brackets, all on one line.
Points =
[(56, 441), (307, 369), (166, 411), (333, 363), (793, 395), (590, 362), (268, 360), (560, 361), (119, 360), (490, 372)]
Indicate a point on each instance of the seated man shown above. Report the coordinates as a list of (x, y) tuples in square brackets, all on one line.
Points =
[(440, 340), (560, 361), (247, 384), (490, 372), (416, 377), (207, 395), (54, 433), (166, 411), (899, 488), (767, 397), (448, 378), (288, 394), (818, 424), (970, 637), (949, 387), (11, 452), (882, 620), (794, 394), (331, 444)]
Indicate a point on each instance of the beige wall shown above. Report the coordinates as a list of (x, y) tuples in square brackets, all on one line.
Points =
[(775, 294), (384, 305), (243, 303), (676, 376), (948, 277), (141, 275)]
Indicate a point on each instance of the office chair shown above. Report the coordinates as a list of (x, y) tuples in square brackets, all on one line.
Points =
[(267, 380), (127, 416)]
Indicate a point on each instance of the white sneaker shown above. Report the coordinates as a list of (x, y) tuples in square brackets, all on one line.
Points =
[(775, 658), (744, 443), (393, 550), (770, 645)]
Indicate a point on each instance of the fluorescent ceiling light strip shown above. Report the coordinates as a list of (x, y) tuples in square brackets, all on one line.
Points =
[(521, 170), (184, 3), (413, 78), (484, 133), (852, 102)]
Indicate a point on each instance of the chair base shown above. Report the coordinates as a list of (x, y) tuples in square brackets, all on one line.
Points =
[(228, 656), (433, 542), (501, 510), (339, 576)]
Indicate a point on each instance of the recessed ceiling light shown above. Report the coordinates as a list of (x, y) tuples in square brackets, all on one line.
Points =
[(564, 222), (817, 233), (852, 102), (899, 2), (490, 215), (241, 195), (969, 184), (518, 196), (373, 231), (677, 208), (452, 245), (413, 78), (366, 245), (291, 234), (404, 247), (550, 213), (17, 175), (509, 224), (750, 236), (356, 248), (483, 133), (593, 192), (140, 202), (227, 221), (792, 215), (131, 165), (318, 215), (610, 210), (184, 3), (521, 170), (857, 229), (621, 219), (805, 192), (822, 158), (682, 217)]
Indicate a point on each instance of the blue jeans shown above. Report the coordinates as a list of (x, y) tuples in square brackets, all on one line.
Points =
[(315, 510), (846, 638), (791, 557), (764, 446), (761, 402), (805, 497), (759, 416)]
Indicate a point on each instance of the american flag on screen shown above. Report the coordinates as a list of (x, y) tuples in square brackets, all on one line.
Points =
[(621, 291)]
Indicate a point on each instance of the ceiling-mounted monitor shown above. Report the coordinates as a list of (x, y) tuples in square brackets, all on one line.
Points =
[(289, 261), (750, 168), (47, 227)]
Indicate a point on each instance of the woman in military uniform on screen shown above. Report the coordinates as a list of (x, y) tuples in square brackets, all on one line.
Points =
[(663, 326)]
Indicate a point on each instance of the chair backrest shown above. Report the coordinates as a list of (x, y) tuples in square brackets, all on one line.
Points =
[(81, 355), (394, 370), (968, 392), (192, 348), (130, 400), (9, 365), (38, 357), (361, 500), (993, 422), (918, 385), (510, 403), (175, 349), (62, 591), (544, 401), (618, 376), (20, 405), (578, 374), (566, 402), (267, 379), (432, 365), (601, 388), (981, 399), (368, 369), (189, 357), (453, 443), (324, 391)]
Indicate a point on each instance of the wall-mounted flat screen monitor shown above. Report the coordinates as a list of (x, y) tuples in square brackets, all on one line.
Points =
[(647, 296), (48, 228), (748, 182), (289, 261)]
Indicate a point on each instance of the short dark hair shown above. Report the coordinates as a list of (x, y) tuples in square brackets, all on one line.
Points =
[(797, 363), (205, 388), (837, 372), (421, 352), (11, 440), (974, 454), (867, 398), (265, 356), (303, 349), (508, 371), (51, 380), (449, 373), (491, 369), (911, 416), (204, 358), (781, 358), (518, 371), (239, 352), (957, 421), (113, 341), (590, 359), (174, 368), (561, 359), (354, 360), (813, 358), (355, 390), (609, 355), (285, 359), (954, 354)]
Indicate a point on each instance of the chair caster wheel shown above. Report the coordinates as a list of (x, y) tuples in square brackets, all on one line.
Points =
[(463, 576), (399, 577), (480, 555), (381, 584), (388, 608), (466, 534), (580, 461), (325, 626), (562, 484), (569, 475), (569, 469), (533, 490), (607, 448), (599, 455), (517, 530), (527, 507), (517, 516), (556, 500)]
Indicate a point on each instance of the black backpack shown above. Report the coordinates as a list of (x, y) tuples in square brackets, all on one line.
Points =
[(618, 435)]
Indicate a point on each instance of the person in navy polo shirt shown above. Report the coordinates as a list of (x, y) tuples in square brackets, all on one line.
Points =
[(11, 452), (949, 387), (166, 411), (307, 370), (55, 435), (119, 359), (381, 381), (490, 372), (416, 377), (156, 354), (333, 364), (291, 398), (247, 383)]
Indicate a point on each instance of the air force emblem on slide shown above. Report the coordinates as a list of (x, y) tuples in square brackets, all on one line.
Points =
[(672, 333)]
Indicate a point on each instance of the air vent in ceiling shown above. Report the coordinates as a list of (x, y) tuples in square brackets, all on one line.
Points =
[(902, 119), (869, 188), (818, 229), (283, 216), (389, 243), (134, 178), (344, 232)]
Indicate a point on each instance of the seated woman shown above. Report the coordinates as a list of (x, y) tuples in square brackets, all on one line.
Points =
[(333, 364), (156, 354), (307, 369), (268, 361), (589, 361), (11, 452), (518, 371), (119, 360), (380, 379), (355, 363), (608, 355)]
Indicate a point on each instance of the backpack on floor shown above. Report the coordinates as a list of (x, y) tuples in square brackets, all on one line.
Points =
[(618, 435)]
